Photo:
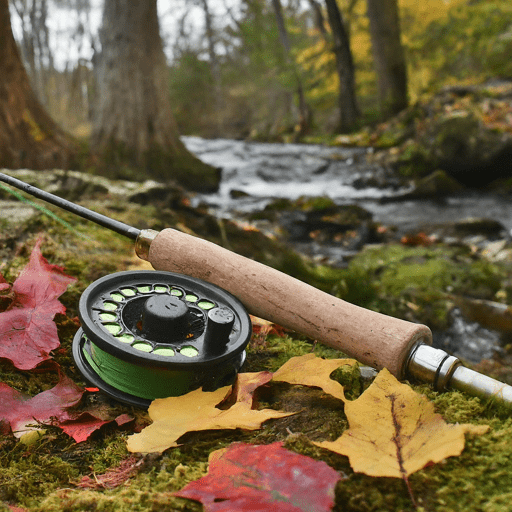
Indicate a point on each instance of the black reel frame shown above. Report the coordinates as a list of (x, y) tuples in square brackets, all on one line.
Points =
[(190, 332)]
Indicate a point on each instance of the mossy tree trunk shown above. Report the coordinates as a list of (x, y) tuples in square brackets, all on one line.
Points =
[(28, 136), (134, 131), (388, 54)]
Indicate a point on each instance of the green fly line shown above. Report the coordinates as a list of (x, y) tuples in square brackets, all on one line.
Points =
[(142, 381), (46, 211)]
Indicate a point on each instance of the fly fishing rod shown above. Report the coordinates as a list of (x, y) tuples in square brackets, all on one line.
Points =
[(377, 340)]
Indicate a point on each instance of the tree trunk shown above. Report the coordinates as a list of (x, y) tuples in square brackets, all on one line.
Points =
[(388, 54), (348, 110), (134, 131), (319, 18), (28, 136), (215, 69), (304, 110)]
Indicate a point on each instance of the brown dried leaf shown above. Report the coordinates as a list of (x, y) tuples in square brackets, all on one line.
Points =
[(113, 477)]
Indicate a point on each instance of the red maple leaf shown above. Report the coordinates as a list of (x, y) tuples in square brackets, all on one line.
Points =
[(81, 427), (245, 477), (4, 285), (47, 407), (27, 331)]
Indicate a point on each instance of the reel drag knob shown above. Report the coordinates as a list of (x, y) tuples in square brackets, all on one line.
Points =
[(150, 334)]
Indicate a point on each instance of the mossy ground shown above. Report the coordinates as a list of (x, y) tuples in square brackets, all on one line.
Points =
[(45, 475)]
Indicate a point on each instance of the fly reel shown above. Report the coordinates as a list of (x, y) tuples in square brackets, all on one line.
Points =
[(149, 334)]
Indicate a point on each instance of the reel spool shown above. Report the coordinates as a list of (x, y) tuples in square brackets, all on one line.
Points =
[(149, 334)]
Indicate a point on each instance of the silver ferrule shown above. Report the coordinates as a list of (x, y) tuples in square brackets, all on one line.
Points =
[(432, 365), (442, 370), (143, 243)]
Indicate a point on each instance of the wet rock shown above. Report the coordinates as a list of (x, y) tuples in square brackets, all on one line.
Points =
[(376, 178), (320, 220), (469, 151), (466, 230), (434, 186), (71, 185), (489, 314), (237, 194), (74, 187), (152, 192), (489, 228)]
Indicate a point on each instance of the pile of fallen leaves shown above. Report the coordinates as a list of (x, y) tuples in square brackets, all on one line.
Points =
[(28, 335), (392, 430)]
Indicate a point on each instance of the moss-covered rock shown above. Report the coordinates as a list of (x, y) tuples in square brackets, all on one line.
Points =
[(321, 220), (414, 283), (461, 130)]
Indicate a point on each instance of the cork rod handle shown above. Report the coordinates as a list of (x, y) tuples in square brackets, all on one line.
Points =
[(372, 338)]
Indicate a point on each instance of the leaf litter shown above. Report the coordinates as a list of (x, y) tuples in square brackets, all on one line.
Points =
[(393, 431), (50, 406)]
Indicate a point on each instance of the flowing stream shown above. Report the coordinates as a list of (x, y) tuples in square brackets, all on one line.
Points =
[(260, 172), (265, 171)]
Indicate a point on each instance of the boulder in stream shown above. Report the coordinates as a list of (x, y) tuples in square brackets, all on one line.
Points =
[(321, 220)]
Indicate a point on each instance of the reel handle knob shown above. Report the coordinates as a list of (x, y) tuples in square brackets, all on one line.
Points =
[(219, 324), (378, 340)]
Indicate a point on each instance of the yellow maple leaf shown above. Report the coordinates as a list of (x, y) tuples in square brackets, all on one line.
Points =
[(395, 431), (174, 416), (310, 370)]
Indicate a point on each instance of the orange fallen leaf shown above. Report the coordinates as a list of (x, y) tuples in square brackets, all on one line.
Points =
[(418, 239), (263, 328), (174, 416), (395, 431), (310, 370)]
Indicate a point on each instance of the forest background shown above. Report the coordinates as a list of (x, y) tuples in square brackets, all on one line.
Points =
[(232, 75)]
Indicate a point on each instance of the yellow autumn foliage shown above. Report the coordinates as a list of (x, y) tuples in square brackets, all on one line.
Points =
[(172, 417), (395, 431), (309, 370)]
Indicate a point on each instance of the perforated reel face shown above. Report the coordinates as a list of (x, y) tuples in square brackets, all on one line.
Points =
[(161, 320)]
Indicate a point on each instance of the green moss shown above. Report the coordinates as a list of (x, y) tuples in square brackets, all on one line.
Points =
[(415, 282), (26, 475)]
